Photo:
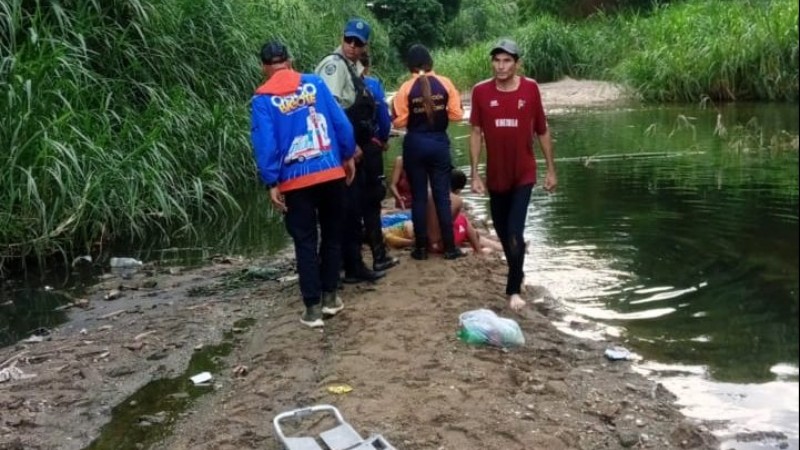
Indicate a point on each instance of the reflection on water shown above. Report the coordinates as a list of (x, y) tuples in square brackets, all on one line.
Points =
[(253, 230), (35, 300), (26, 311), (746, 407), (27, 303), (684, 242)]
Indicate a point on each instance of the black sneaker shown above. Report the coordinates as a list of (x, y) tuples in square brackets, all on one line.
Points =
[(331, 303), (362, 274), (419, 253)]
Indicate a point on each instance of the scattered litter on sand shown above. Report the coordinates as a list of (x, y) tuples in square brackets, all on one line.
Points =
[(202, 378), (13, 373)]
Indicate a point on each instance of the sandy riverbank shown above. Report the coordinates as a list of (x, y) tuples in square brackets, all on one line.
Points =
[(413, 380), (568, 94)]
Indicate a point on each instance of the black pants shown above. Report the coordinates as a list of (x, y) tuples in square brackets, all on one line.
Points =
[(373, 191), (363, 207), (321, 204), (508, 214)]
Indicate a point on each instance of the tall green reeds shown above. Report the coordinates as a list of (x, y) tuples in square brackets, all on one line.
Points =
[(464, 67), (726, 50), (548, 47), (127, 117)]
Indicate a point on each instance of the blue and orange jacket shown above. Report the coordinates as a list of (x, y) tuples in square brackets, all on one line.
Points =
[(300, 134)]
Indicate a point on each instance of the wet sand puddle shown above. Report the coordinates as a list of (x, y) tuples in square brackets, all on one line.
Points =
[(148, 415)]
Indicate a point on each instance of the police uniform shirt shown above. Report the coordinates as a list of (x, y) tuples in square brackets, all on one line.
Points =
[(334, 71)]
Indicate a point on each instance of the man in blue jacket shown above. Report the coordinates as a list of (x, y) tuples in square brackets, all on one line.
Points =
[(303, 145)]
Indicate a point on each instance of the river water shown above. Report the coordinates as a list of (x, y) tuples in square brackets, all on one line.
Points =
[(683, 246), (674, 232)]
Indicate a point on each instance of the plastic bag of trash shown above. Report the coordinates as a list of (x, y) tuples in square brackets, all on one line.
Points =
[(482, 326), (262, 273), (618, 353), (13, 373), (118, 263)]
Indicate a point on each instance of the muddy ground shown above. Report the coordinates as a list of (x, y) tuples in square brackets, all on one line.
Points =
[(395, 345)]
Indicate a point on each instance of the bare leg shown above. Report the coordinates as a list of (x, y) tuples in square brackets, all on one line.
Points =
[(491, 244), (434, 232)]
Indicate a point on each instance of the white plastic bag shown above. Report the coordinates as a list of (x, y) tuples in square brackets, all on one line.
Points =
[(482, 326), (119, 263)]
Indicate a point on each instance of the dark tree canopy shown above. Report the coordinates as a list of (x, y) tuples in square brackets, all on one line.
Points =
[(415, 21), (451, 9), (583, 8)]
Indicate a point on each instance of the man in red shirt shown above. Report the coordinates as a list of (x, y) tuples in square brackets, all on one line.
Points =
[(506, 113)]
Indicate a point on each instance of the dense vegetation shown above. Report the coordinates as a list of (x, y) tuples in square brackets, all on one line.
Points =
[(125, 117), (122, 118), (681, 51)]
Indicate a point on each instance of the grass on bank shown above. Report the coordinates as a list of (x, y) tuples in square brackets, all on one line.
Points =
[(126, 118)]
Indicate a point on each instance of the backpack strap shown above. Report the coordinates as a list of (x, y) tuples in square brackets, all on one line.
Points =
[(358, 82)]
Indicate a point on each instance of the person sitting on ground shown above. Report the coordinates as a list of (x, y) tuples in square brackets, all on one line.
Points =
[(462, 228)]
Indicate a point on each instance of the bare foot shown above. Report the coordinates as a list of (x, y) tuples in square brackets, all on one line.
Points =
[(516, 303)]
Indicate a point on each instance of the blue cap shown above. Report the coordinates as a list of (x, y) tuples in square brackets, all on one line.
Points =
[(357, 28)]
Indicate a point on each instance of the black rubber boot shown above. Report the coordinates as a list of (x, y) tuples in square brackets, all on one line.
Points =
[(420, 251), (362, 274), (381, 260), (453, 252)]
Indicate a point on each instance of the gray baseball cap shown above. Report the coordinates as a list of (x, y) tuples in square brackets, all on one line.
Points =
[(505, 45)]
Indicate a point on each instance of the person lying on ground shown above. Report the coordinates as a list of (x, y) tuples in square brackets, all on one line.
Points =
[(401, 234)]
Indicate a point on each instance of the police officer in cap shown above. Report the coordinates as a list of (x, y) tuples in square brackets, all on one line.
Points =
[(342, 72)]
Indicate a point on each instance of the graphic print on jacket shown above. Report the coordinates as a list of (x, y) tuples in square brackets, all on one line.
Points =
[(313, 143)]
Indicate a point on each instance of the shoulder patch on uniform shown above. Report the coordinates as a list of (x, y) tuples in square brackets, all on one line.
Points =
[(330, 69)]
